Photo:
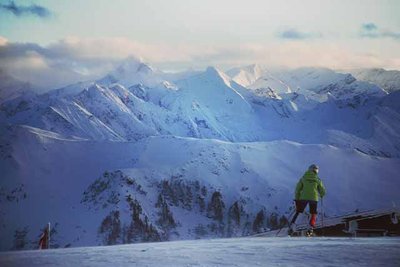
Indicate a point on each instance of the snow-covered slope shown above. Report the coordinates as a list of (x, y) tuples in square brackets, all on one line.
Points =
[(222, 252), (386, 79), (166, 188), (217, 106)]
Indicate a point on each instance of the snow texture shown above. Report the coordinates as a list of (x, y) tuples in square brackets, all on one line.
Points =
[(222, 252)]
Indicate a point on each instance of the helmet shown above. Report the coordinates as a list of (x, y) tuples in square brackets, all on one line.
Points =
[(313, 167)]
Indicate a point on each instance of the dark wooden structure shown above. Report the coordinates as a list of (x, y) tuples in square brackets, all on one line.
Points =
[(361, 224)]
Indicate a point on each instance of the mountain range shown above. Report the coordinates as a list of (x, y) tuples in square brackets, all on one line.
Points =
[(141, 155)]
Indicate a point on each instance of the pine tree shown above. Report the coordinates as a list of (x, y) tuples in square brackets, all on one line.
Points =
[(140, 230), (258, 221), (234, 213), (204, 191), (136, 226), (216, 207), (202, 203), (188, 197), (110, 228), (273, 221), (166, 219)]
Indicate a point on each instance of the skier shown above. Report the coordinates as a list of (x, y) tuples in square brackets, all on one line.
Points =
[(307, 190), (44, 239)]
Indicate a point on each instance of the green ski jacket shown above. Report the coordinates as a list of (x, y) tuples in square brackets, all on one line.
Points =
[(309, 187)]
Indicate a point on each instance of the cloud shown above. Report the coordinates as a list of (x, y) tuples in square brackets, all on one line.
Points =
[(393, 35), (52, 66), (20, 11), (293, 34), (371, 30), (78, 59), (369, 26)]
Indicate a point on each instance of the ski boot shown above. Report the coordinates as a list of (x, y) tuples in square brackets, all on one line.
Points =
[(310, 232), (313, 220)]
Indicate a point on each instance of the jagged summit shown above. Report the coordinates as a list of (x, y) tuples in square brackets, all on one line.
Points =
[(260, 80), (214, 74), (94, 91), (247, 75), (387, 79), (11, 87), (133, 71), (212, 70), (211, 81), (133, 65)]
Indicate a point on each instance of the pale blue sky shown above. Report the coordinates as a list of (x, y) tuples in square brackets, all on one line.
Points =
[(178, 34), (194, 21)]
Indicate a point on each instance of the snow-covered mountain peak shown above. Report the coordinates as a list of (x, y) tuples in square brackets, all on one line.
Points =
[(315, 83), (254, 69), (132, 65), (11, 87), (94, 90), (386, 79), (211, 81), (133, 71), (247, 75), (214, 74), (97, 93), (214, 71), (267, 82), (310, 78)]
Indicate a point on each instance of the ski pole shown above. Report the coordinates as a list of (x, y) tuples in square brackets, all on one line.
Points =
[(323, 215), (322, 211), (288, 222), (48, 241), (291, 214)]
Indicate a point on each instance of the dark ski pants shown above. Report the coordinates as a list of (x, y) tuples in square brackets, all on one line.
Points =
[(301, 205)]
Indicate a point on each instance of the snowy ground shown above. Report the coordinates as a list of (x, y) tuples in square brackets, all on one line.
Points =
[(222, 252)]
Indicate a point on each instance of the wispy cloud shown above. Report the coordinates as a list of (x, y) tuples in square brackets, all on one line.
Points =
[(20, 11), (394, 35), (369, 26), (371, 30), (294, 34)]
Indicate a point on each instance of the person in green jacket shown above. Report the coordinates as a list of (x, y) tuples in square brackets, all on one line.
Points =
[(308, 190)]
